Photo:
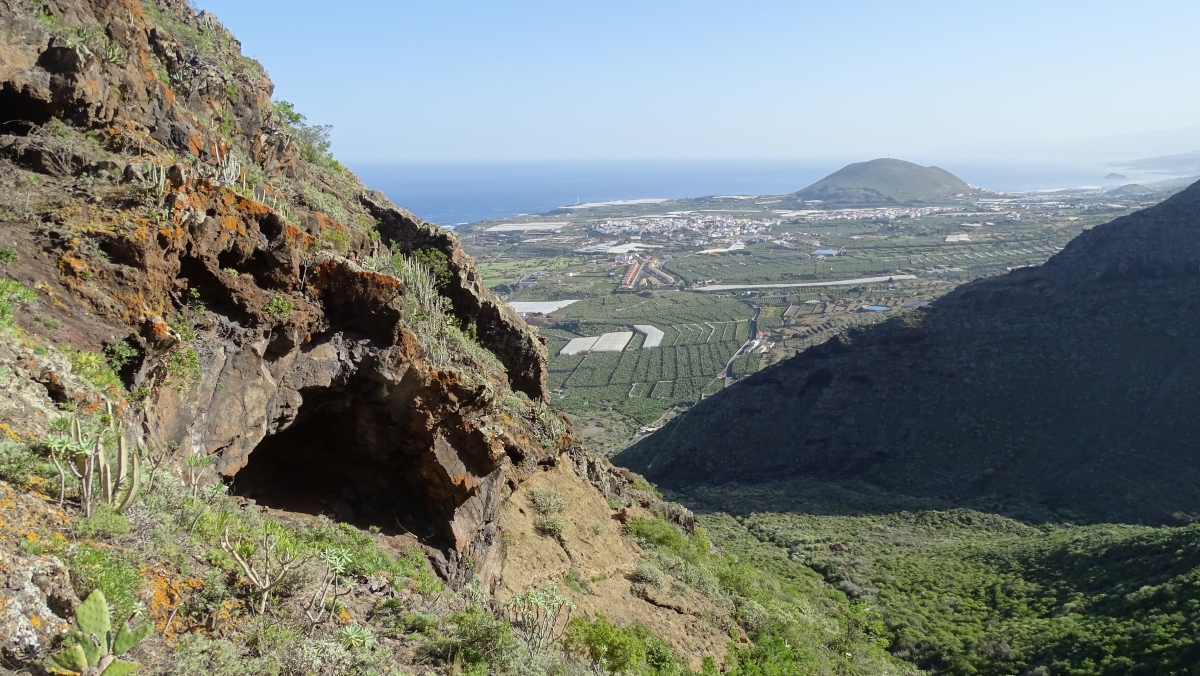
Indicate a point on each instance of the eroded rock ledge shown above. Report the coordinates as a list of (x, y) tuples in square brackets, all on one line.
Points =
[(184, 217)]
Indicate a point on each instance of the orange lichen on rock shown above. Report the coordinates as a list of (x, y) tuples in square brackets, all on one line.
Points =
[(168, 592)]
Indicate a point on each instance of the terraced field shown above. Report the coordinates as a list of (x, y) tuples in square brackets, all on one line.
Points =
[(643, 382)]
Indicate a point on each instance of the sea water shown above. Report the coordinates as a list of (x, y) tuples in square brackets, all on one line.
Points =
[(459, 193)]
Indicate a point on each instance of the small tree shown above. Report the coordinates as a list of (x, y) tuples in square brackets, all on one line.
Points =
[(539, 616), (265, 563), (320, 608)]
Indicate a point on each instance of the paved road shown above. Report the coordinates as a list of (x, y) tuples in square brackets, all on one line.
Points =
[(844, 282)]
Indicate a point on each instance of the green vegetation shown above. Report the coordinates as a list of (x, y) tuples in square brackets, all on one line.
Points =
[(438, 265), (964, 592), (547, 501), (427, 314), (13, 295), (280, 306), (615, 650), (702, 334), (183, 368), (798, 624), (95, 369), (313, 139)]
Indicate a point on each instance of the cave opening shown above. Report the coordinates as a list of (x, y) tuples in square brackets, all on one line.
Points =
[(348, 455)]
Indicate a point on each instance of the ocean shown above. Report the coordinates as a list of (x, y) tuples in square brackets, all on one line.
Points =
[(459, 193)]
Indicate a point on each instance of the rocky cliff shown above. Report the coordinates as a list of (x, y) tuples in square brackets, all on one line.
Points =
[(1071, 386), (272, 321)]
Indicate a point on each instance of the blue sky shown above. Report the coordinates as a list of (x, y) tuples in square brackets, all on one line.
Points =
[(499, 81)]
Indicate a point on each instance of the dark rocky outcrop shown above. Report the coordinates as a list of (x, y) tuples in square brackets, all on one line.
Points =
[(186, 217), (1072, 385)]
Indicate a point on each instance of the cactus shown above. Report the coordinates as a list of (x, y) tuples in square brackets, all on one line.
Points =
[(229, 170), (95, 648), (88, 462), (156, 182)]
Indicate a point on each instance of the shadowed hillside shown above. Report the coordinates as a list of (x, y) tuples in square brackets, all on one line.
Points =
[(885, 181), (1072, 385)]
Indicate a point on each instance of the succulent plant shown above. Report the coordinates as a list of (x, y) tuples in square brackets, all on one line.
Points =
[(94, 645)]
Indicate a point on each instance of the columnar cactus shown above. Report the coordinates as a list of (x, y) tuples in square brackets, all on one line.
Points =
[(95, 646), (90, 465)]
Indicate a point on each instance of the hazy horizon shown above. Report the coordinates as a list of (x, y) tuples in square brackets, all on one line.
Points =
[(534, 81), (450, 193)]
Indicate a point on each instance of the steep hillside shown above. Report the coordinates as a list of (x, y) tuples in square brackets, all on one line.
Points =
[(884, 181), (1071, 387)]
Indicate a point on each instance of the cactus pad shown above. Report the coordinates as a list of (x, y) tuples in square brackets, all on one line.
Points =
[(119, 668), (72, 659), (126, 639), (92, 616)]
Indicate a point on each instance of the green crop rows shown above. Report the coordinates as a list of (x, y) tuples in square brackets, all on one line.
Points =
[(643, 382)]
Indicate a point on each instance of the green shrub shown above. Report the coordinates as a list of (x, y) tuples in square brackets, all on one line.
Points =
[(95, 568), (607, 646), (437, 264), (340, 239), (199, 654), (13, 295), (648, 573), (420, 622), (105, 522), (17, 462), (547, 501), (94, 368), (280, 306), (646, 487), (183, 368), (657, 532), (8, 256), (550, 526), (119, 354), (480, 638), (578, 582)]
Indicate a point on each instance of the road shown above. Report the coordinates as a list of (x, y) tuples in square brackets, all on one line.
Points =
[(753, 335), (844, 282)]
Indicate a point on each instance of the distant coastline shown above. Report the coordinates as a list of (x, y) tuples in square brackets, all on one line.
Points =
[(457, 193)]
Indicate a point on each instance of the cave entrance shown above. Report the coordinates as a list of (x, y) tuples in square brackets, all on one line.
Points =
[(348, 455)]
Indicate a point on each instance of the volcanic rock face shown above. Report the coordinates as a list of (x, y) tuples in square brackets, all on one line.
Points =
[(188, 220), (1072, 385)]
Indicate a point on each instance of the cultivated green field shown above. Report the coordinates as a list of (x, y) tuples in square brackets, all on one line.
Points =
[(612, 395), (701, 332)]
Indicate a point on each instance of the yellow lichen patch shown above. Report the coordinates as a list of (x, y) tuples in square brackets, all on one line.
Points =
[(73, 266), (173, 233), (169, 591), (9, 432)]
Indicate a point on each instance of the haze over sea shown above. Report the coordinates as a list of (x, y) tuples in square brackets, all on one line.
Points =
[(458, 193)]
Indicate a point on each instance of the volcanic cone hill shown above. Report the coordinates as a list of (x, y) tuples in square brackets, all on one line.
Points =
[(882, 182), (1072, 385)]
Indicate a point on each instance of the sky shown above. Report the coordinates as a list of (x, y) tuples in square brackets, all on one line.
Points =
[(444, 80)]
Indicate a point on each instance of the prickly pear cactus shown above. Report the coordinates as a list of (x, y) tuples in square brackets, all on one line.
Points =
[(95, 647), (92, 616)]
